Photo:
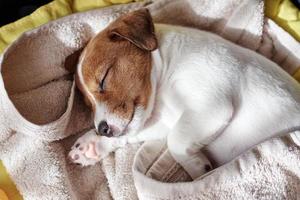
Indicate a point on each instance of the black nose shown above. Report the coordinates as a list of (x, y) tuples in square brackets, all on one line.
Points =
[(104, 130)]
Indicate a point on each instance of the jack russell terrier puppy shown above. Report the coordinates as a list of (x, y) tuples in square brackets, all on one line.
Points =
[(146, 82)]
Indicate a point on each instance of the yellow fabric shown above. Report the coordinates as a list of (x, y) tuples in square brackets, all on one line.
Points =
[(7, 187), (297, 75), (3, 196), (285, 14)]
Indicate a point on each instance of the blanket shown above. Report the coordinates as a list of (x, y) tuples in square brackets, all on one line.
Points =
[(51, 11), (286, 14), (42, 114)]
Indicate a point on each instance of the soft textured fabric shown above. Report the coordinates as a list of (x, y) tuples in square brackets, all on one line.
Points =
[(46, 13), (43, 97), (3, 195), (282, 12), (49, 12), (286, 14), (271, 171), (8, 187), (37, 129)]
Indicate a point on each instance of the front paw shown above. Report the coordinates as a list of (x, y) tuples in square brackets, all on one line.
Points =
[(89, 149)]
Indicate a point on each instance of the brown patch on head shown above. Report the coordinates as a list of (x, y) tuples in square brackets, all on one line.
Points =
[(116, 67), (136, 27)]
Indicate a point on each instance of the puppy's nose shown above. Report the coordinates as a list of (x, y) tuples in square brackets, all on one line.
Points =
[(104, 129)]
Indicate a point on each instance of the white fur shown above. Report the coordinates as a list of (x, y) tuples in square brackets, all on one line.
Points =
[(102, 113), (80, 76), (213, 94)]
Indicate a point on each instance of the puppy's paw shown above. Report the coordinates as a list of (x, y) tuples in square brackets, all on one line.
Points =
[(89, 149)]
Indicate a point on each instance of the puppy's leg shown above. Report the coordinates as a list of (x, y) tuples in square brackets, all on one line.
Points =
[(253, 125), (191, 133), (91, 148), (155, 132)]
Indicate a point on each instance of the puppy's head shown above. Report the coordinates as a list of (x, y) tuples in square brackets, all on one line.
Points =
[(114, 74)]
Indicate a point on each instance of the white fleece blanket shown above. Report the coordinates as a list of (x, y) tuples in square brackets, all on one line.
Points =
[(42, 114)]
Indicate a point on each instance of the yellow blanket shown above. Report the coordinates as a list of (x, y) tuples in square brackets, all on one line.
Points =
[(285, 14)]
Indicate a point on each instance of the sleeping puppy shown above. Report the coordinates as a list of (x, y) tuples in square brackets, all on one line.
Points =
[(146, 82)]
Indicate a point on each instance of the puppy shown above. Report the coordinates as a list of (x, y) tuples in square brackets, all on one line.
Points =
[(146, 82)]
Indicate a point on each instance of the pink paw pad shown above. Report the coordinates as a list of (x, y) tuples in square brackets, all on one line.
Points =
[(91, 152), (90, 149), (84, 153)]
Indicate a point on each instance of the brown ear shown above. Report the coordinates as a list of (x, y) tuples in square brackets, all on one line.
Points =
[(136, 27), (72, 60)]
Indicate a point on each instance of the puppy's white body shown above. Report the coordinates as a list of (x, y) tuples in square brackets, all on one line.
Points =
[(212, 93)]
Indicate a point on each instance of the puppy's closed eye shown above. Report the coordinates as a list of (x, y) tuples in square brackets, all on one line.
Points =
[(102, 82)]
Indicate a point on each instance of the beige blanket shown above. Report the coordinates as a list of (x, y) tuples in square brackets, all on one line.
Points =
[(42, 114)]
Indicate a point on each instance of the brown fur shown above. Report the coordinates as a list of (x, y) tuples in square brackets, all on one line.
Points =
[(124, 48)]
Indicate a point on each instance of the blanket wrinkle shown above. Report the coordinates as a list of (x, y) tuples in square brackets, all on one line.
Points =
[(42, 114)]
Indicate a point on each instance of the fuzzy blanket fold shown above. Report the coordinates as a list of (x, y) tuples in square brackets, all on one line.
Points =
[(42, 114)]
